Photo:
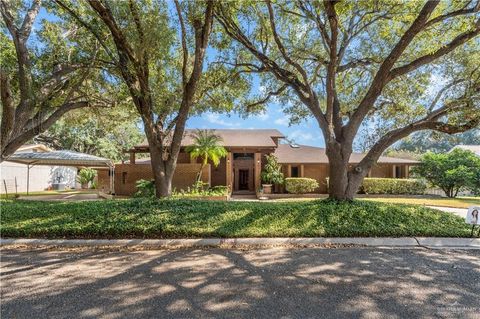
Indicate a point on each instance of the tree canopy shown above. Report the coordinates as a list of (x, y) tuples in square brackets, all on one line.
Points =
[(409, 65), (102, 132), (452, 172), (45, 73)]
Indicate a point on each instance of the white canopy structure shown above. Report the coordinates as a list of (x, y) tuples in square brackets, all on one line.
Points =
[(62, 158)]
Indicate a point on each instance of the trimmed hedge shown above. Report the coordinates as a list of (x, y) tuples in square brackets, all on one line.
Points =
[(300, 185), (397, 186)]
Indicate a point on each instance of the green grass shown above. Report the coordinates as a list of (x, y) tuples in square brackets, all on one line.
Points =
[(140, 218), (459, 202)]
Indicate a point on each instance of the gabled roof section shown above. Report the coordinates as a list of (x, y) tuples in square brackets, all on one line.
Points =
[(303, 154), (237, 137)]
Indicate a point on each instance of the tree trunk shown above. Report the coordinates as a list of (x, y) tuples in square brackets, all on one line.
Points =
[(199, 174), (343, 182), (163, 170)]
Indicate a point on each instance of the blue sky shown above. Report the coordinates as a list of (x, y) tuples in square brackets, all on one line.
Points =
[(306, 132)]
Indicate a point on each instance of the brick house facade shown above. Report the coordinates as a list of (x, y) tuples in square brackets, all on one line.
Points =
[(240, 169)]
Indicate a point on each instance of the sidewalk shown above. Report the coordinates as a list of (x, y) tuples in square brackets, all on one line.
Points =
[(425, 242)]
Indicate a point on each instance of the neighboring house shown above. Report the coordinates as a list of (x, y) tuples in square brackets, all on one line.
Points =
[(13, 176), (472, 148), (240, 170)]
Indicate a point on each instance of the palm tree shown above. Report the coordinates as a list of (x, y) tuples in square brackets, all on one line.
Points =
[(207, 147)]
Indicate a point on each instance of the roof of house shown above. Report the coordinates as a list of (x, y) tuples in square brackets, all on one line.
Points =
[(287, 153), (473, 148), (237, 137)]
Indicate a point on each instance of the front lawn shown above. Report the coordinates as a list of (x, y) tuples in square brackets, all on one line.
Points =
[(458, 202), (140, 218)]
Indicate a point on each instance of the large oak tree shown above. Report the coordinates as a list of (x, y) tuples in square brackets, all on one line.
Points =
[(41, 79), (411, 65), (159, 52)]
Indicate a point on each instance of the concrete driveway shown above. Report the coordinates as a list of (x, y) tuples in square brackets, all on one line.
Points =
[(462, 212), (221, 283), (64, 197)]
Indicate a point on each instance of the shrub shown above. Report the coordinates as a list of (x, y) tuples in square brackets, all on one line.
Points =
[(86, 176), (452, 172), (272, 172), (145, 188), (300, 185), (200, 189), (397, 186)]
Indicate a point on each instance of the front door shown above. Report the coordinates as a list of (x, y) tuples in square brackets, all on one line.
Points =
[(243, 178)]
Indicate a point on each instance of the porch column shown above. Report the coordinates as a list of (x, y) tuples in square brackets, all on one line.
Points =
[(229, 171), (301, 170), (289, 170), (407, 171), (132, 157), (258, 169)]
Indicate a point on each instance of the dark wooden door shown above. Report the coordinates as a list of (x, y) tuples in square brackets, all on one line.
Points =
[(243, 176)]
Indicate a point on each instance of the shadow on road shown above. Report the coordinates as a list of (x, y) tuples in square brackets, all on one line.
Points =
[(266, 283)]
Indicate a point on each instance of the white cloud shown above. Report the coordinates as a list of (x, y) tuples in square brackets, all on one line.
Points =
[(300, 136), (281, 121), (262, 116), (216, 119)]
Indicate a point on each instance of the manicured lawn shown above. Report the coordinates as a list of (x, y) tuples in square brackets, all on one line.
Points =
[(459, 202), (142, 218)]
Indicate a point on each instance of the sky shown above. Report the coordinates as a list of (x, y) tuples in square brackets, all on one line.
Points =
[(306, 133)]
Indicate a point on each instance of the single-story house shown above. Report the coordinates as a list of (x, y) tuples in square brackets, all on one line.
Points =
[(241, 169)]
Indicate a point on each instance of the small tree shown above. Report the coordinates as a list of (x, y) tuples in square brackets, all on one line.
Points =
[(272, 172), (207, 147), (86, 176), (451, 172)]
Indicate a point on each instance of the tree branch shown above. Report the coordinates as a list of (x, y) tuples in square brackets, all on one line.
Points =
[(415, 64), (183, 36), (382, 76), (89, 28)]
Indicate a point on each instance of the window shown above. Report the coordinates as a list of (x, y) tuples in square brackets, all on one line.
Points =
[(294, 171)]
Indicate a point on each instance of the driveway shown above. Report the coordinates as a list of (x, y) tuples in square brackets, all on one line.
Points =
[(64, 197), (462, 212), (221, 283)]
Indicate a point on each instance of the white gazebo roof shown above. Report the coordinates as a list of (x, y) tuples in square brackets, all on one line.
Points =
[(60, 158)]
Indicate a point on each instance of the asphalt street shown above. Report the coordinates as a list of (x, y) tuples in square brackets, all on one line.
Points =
[(228, 283)]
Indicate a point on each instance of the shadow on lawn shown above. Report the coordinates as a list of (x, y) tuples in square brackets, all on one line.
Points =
[(177, 218), (355, 283)]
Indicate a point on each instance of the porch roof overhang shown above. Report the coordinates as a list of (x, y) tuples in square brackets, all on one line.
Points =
[(60, 158)]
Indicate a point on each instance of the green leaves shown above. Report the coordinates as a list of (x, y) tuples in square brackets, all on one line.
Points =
[(452, 172), (206, 145), (272, 171), (149, 218)]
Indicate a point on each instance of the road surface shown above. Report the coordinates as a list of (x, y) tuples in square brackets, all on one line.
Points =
[(222, 283)]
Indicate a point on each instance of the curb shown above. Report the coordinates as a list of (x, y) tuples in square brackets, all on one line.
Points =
[(406, 242)]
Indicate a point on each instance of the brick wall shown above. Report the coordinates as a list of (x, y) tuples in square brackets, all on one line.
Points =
[(126, 176)]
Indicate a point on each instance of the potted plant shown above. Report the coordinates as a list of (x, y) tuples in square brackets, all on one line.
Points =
[(271, 174)]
